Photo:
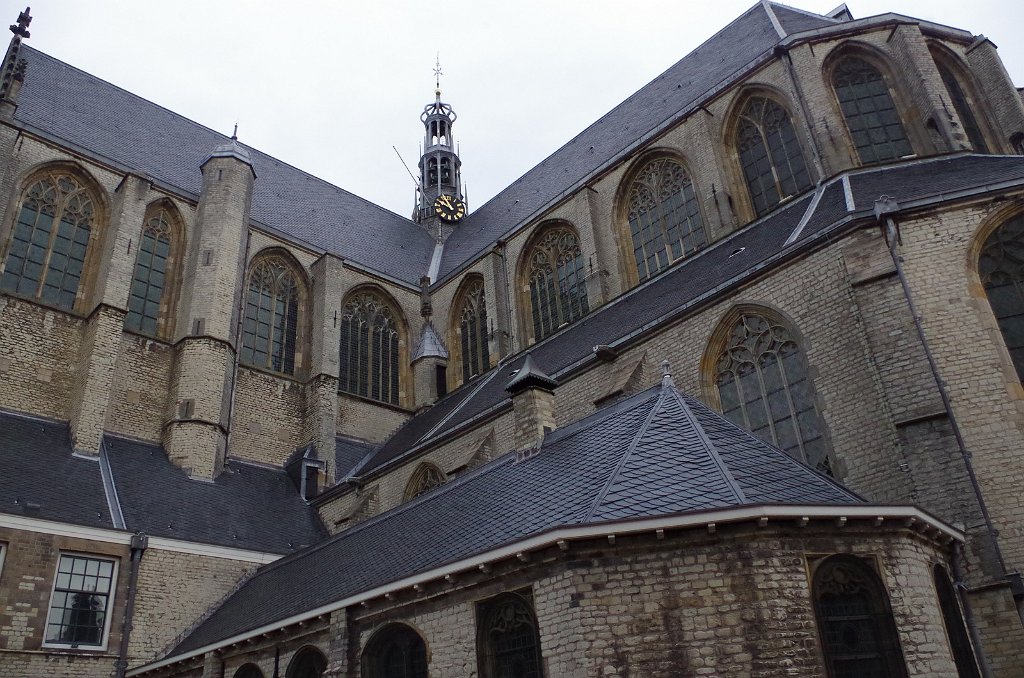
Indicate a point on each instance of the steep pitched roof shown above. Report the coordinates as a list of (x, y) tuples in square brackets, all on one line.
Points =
[(246, 507), (752, 34), (88, 113), (657, 453), (699, 277), (41, 478)]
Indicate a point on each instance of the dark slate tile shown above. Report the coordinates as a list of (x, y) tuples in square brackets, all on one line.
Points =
[(348, 453), (41, 478), (246, 507)]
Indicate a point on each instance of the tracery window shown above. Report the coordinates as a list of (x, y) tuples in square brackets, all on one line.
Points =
[(426, 478), (858, 633), (369, 359), (773, 163), (764, 387), (472, 330), (396, 651), (508, 645), (558, 291), (151, 275), (964, 110), (870, 113), (50, 240), (307, 663), (270, 325), (1001, 266), (956, 629), (664, 216)]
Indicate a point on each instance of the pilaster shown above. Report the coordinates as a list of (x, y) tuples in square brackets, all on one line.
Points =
[(1003, 102)]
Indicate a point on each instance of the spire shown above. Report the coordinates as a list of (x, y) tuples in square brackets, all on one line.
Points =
[(440, 201)]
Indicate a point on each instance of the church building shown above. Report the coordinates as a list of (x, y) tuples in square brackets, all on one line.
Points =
[(730, 384)]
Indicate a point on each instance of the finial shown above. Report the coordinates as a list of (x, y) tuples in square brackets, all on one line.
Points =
[(234, 134), (437, 74), (666, 374), (24, 19)]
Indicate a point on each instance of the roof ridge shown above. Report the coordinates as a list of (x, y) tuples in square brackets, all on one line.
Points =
[(702, 435)]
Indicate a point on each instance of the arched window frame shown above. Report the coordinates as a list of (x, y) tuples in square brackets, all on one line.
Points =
[(813, 450), (470, 304), (426, 477), (989, 234), (97, 231), (403, 638), (266, 262), (399, 377), (857, 575), (162, 210), (499, 613), (975, 113), (561, 241), (641, 180), (249, 670), (953, 621), (307, 662), (787, 184), (894, 87)]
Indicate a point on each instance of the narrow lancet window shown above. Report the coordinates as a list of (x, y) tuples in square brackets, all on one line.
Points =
[(369, 362), (472, 330), (149, 281), (869, 111), (558, 291), (270, 327), (1001, 266), (773, 163)]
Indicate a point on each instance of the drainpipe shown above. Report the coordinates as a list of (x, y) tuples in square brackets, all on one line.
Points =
[(238, 342), (960, 585), (138, 546)]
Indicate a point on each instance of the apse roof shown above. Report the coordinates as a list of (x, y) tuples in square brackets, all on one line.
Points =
[(654, 454)]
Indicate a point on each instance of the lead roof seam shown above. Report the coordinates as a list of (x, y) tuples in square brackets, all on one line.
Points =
[(741, 496), (458, 408), (110, 488), (622, 461), (812, 207), (774, 19)]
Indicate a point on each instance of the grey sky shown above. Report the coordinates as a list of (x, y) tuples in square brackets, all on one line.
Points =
[(330, 86)]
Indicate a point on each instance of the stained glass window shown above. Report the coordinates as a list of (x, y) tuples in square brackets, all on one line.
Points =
[(558, 291), (396, 651), (150, 277), (964, 110), (870, 113), (307, 663), (764, 387), (270, 325), (369, 364), (1001, 267), (81, 601), (472, 330), (426, 478), (509, 646), (50, 240), (664, 216), (773, 164), (855, 623)]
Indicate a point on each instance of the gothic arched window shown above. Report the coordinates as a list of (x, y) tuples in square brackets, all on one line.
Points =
[(395, 651), (1001, 266), (956, 629), (308, 662), (763, 385), (248, 671), (855, 623), (964, 109), (770, 155), (664, 216), (50, 239), (558, 291), (270, 326), (471, 328), (152, 275), (508, 643), (425, 478), (369, 357), (869, 111)]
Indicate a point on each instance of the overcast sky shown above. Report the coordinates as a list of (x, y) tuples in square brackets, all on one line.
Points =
[(330, 86)]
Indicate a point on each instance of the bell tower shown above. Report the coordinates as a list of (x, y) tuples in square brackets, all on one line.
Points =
[(441, 203)]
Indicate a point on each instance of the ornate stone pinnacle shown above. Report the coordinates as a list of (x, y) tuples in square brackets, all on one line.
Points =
[(24, 19)]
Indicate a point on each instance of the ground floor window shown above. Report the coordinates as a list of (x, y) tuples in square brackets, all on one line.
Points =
[(508, 643), (80, 604)]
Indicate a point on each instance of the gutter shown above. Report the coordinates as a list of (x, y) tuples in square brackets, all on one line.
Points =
[(139, 543), (910, 517)]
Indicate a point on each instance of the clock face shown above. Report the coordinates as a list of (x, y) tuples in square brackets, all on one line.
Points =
[(449, 209)]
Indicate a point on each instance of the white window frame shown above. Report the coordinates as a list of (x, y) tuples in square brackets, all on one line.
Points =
[(110, 602)]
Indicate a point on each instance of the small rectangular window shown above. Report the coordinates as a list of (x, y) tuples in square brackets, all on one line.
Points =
[(80, 605)]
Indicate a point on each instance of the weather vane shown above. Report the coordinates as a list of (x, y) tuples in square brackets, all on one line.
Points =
[(437, 72)]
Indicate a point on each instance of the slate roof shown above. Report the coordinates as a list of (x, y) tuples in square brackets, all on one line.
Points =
[(655, 454), (684, 84), (247, 506), (701, 276), (41, 478), (89, 113), (348, 452)]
